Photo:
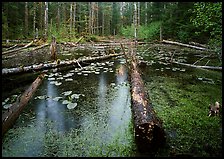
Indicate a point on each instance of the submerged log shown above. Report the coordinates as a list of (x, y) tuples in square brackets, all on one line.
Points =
[(9, 117), (9, 71), (149, 133)]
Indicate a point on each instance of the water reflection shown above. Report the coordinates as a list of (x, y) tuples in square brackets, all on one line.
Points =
[(119, 109)]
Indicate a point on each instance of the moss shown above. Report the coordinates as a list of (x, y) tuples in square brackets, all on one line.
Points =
[(188, 120)]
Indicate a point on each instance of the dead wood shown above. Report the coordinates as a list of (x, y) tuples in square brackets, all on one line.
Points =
[(186, 45), (39, 47), (18, 49), (38, 67), (196, 66), (9, 117), (149, 132), (10, 48)]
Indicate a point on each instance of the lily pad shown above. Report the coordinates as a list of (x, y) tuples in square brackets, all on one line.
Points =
[(51, 79), (69, 79), (53, 82), (57, 83), (67, 93), (56, 98), (71, 105), (66, 102), (41, 97), (7, 106)]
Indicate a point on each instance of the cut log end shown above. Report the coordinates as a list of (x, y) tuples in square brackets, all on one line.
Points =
[(149, 137)]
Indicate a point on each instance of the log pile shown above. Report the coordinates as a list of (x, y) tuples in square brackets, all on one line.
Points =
[(9, 117), (149, 133)]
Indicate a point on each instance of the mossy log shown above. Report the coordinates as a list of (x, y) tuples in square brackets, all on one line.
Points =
[(42, 66), (9, 117), (149, 133)]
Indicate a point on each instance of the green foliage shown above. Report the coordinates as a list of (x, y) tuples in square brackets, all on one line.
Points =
[(207, 18), (149, 32)]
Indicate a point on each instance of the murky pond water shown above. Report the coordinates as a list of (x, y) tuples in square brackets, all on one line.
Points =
[(98, 124), (87, 111)]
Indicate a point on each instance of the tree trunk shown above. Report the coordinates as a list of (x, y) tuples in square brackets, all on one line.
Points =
[(6, 71), (46, 21), (161, 35), (26, 19), (70, 20), (186, 45), (74, 14), (196, 66), (58, 17), (34, 20), (135, 21), (149, 133), (146, 13), (18, 49), (9, 118)]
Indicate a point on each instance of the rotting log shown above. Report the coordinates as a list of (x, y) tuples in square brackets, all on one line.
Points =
[(149, 133), (9, 117), (185, 45), (42, 66)]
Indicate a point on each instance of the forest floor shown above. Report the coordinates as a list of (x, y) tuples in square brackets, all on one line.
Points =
[(180, 99)]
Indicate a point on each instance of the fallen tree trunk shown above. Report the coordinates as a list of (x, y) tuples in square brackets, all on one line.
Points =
[(39, 47), (149, 133), (195, 66), (186, 45), (9, 117), (8, 71), (18, 49)]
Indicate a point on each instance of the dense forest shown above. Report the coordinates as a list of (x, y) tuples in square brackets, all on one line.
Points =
[(182, 21), (112, 79)]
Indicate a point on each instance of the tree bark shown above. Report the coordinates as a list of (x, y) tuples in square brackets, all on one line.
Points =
[(38, 67), (149, 133), (9, 118)]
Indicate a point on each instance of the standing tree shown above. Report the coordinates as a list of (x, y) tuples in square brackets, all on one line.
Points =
[(26, 19), (46, 21)]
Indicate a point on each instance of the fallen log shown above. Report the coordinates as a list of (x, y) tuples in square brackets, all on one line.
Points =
[(196, 66), (149, 133), (39, 47), (9, 117), (42, 66), (18, 49), (10, 48), (186, 45)]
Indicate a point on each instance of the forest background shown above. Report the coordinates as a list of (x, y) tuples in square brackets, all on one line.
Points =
[(199, 22)]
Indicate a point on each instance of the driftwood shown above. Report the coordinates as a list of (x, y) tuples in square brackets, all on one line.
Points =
[(8, 71), (149, 133), (186, 45), (9, 117), (196, 66), (18, 49)]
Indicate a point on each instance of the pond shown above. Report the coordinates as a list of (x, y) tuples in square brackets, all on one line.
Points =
[(87, 111)]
